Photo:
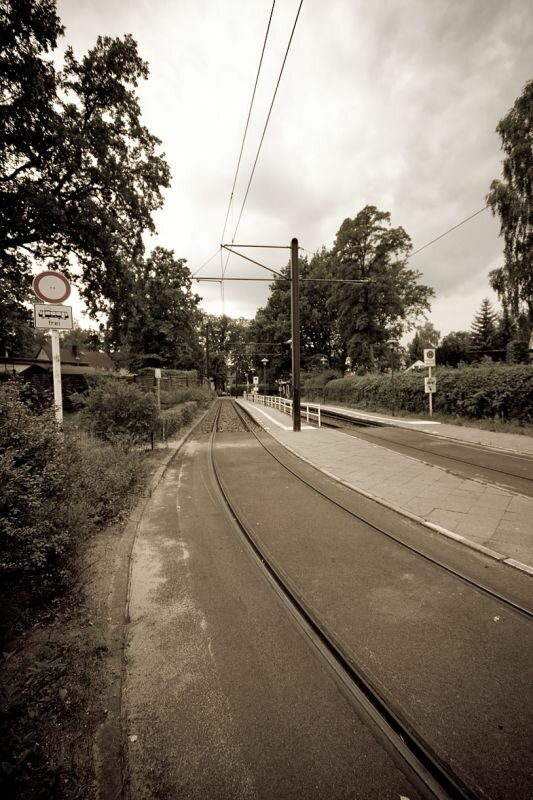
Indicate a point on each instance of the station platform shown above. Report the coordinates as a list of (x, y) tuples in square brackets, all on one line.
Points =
[(488, 518)]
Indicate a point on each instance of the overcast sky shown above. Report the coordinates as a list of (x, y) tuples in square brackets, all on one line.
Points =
[(392, 103)]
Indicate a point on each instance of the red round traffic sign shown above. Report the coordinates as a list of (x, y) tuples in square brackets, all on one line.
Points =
[(51, 287)]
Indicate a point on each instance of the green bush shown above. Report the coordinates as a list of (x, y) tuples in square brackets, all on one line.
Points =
[(119, 412), (175, 418), (485, 391), (34, 485), (313, 383), (55, 490), (201, 395)]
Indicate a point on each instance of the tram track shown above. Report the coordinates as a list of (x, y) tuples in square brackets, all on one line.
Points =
[(423, 766), (516, 606), (418, 756), (514, 471)]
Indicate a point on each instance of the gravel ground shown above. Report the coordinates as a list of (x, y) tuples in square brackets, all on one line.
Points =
[(228, 422)]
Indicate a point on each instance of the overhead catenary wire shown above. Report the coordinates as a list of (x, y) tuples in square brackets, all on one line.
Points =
[(266, 125), (419, 250), (247, 124), (206, 262), (329, 280), (442, 235)]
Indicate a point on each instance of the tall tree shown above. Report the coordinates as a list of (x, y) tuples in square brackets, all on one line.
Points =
[(319, 338), (512, 199), (161, 326), (456, 348), (367, 248), (426, 336), (80, 176), (270, 331), (484, 329)]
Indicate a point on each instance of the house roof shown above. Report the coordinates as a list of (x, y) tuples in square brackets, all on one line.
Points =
[(77, 356)]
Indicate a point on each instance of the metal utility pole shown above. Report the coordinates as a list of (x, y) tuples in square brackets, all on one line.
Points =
[(295, 318), (207, 365)]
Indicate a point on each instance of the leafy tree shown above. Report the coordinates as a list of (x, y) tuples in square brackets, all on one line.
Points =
[(232, 353), (367, 248), (217, 333), (319, 339), (271, 329), (512, 199), (455, 348), (88, 339), (426, 336), (485, 329), (238, 348), (16, 335), (160, 325), (80, 176)]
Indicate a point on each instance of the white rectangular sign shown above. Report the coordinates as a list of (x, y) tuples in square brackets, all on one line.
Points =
[(52, 317), (256, 380), (430, 385), (430, 358)]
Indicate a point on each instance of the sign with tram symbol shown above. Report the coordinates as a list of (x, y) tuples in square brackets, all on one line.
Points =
[(430, 358), (430, 385), (52, 317)]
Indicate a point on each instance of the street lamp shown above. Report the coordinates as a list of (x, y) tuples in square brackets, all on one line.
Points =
[(264, 362)]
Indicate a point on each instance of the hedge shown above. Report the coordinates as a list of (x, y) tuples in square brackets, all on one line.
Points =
[(472, 392)]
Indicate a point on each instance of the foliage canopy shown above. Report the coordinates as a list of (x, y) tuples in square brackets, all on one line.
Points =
[(512, 199), (80, 175)]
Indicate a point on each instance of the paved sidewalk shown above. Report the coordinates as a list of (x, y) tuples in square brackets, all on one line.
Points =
[(483, 516)]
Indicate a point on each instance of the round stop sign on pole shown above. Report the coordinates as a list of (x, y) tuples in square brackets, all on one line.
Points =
[(51, 287)]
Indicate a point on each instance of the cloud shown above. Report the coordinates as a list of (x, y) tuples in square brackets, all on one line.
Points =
[(388, 103)]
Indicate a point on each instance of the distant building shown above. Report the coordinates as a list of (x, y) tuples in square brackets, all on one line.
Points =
[(78, 357), (77, 365)]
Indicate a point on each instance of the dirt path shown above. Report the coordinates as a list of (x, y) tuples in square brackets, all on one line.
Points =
[(60, 691)]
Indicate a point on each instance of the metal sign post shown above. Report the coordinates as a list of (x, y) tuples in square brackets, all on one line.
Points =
[(53, 287), (157, 376), (295, 316), (430, 383), (56, 371)]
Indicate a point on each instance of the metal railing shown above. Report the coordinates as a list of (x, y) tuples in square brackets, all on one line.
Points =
[(311, 411)]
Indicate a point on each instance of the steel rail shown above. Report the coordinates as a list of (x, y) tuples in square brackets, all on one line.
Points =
[(354, 421), (527, 612), (434, 778)]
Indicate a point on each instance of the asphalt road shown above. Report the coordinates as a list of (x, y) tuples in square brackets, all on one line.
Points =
[(223, 696)]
